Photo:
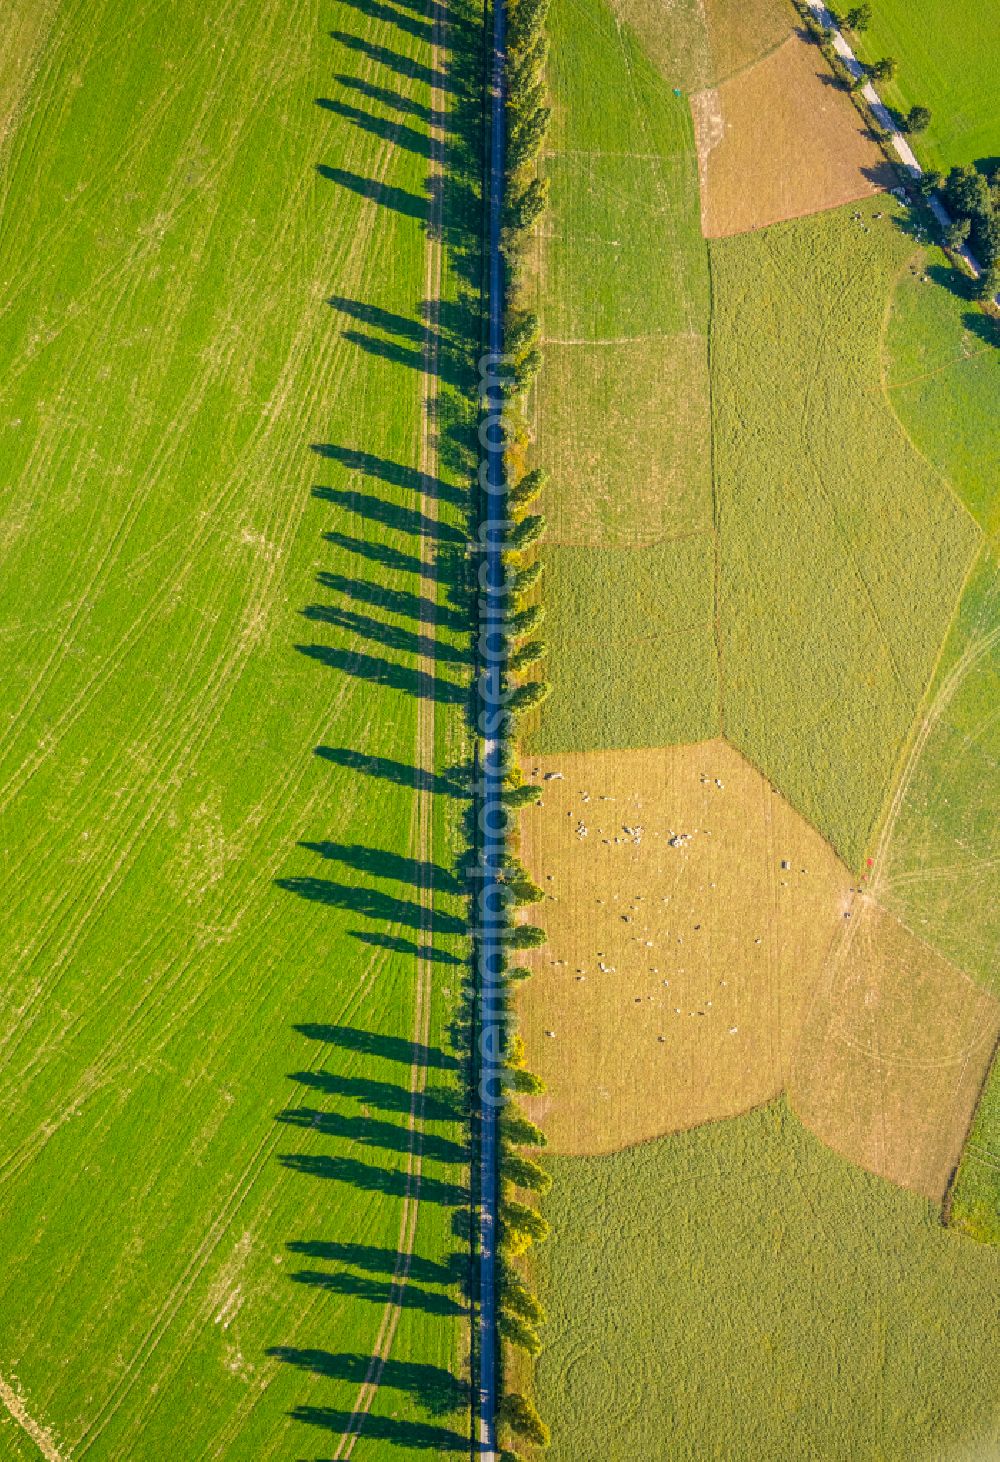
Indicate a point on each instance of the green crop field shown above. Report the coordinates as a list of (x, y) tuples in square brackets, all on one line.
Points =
[(974, 1206), (827, 635), (622, 290), (938, 864), (941, 850), (942, 846), (757, 1296), (632, 635), (942, 371), (234, 665), (947, 61)]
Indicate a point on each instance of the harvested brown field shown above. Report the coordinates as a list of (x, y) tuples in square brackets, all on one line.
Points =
[(707, 950), (779, 141), (893, 1053), (681, 948)]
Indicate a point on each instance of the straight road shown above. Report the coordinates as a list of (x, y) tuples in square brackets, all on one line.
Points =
[(884, 117), (492, 922)]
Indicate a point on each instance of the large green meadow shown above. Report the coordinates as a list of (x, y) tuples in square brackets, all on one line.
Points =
[(757, 1296), (823, 590), (623, 297), (941, 368), (947, 59), (234, 661), (842, 551)]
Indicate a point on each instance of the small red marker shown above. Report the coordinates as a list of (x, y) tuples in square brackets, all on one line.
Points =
[(870, 862)]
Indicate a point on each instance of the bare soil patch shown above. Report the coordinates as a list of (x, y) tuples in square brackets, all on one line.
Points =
[(681, 947), (893, 1053), (779, 140)]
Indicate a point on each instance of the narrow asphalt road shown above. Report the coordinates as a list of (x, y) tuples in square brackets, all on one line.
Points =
[(492, 922), (884, 117)]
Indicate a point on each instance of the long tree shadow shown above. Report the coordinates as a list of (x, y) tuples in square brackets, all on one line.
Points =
[(421, 29), (386, 1047), (411, 205), (369, 1178), (388, 97), (370, 1132), (386, 672), (395, 600), (390, 636), (392, 515), (394, 559), (438, 1104), (371, 902), (391, 131), (437, 1389), (383, 863), (399, 773), (431, 952), (380, 1292), (420, 1436), (405, 66), (383, 1261), (395, 474)]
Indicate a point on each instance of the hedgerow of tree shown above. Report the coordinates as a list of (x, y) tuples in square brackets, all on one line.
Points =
[(522, 1177)]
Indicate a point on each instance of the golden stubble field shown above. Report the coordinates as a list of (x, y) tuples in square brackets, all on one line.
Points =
[(779, 140), (707, 950)]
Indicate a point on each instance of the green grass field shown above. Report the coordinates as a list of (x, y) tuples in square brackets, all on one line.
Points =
[(974, 1206), (947, 61), (941, 854), (942, 371), (757, 1296), (622, 289), (222, 591), (942, 847), (828, 636), (631, 635)]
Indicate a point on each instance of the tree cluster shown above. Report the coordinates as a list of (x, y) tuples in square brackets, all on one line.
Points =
[(527, 119), (973, 200)]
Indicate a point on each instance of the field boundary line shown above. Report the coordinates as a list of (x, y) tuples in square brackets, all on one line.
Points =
[(40, 1435)]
